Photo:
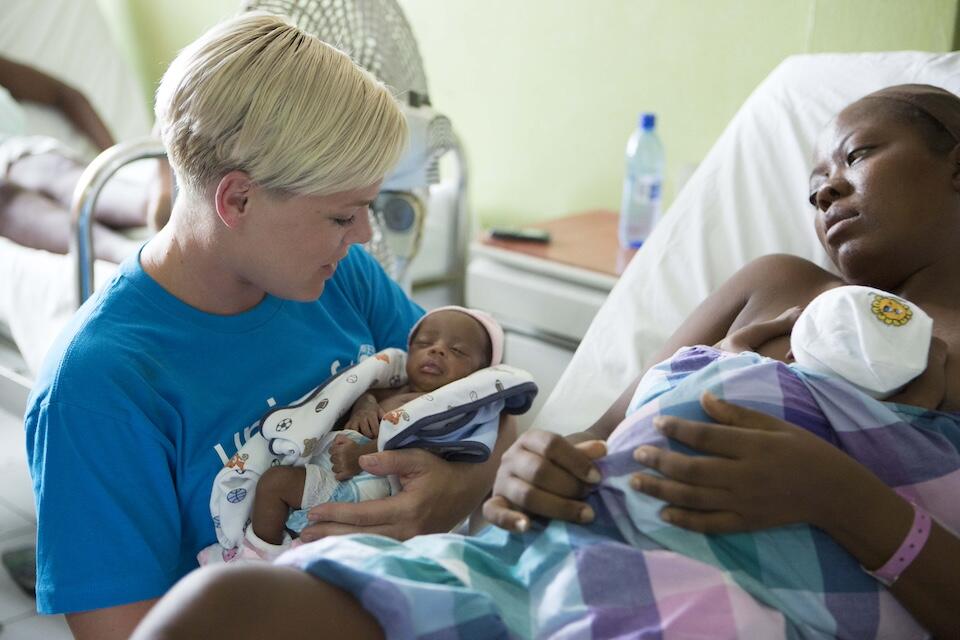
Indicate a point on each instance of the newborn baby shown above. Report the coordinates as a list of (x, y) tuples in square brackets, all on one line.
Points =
[(446, 345), (473, 340)]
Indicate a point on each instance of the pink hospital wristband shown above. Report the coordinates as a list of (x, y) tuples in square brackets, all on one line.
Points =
[(909, 549)]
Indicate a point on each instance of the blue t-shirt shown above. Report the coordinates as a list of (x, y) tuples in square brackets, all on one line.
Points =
[(142, 400)]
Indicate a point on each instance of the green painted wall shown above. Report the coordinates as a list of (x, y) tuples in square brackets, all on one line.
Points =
[(545, 92)]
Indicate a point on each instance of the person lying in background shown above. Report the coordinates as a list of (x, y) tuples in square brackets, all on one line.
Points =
[(38, 174)]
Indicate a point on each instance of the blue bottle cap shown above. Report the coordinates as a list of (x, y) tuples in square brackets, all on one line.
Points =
[(647, 121)]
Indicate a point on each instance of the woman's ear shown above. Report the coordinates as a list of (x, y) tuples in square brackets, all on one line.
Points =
[(232, 198)]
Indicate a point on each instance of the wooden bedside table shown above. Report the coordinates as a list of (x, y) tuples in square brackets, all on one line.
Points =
[(546, 295)]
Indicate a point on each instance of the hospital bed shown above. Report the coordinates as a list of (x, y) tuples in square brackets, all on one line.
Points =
[(747, 198)]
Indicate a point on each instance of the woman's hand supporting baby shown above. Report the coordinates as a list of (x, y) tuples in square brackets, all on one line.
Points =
[(436, 494), (761, 472)]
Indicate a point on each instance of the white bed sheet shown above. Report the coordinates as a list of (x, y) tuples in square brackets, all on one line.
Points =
[(38, 296), (746, 199)]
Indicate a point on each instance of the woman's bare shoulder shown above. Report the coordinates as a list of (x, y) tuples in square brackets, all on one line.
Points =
[(779, 281), (776, 266), (777, 271), (772, 282)]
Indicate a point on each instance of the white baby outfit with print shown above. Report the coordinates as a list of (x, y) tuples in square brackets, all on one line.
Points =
[(458, 422)]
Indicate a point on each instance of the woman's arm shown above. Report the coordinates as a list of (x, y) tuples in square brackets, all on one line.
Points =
[(109, 624), (28, 84), (547, 475), (871, 522)]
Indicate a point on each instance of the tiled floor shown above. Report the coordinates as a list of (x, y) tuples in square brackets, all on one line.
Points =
[(18, 528)]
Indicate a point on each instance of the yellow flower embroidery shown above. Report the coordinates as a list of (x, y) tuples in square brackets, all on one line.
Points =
[(891, 311)]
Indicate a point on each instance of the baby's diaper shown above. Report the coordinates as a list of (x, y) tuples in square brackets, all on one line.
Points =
[(321, 486)]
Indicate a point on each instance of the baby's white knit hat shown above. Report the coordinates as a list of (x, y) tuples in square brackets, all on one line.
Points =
[(875, 340)]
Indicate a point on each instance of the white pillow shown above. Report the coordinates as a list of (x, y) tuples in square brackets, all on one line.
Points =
[(747, 198)]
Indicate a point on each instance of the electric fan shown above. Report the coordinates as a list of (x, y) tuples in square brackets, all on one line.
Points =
[(377, 36)]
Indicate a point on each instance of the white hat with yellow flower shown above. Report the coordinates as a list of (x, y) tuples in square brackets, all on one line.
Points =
[(873, 339)]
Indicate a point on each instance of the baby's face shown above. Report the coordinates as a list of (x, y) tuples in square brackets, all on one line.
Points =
[(447, 346)]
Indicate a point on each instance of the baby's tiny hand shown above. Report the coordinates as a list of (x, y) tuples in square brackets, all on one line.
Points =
[(345, 456), (366, 421)]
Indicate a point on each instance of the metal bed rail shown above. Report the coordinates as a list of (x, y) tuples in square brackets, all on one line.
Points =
[(85, 195)]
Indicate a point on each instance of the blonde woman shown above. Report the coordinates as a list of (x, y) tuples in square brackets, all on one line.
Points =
[(251, 295)]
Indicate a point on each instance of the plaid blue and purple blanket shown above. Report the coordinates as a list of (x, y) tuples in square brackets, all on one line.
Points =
[(629, 574)]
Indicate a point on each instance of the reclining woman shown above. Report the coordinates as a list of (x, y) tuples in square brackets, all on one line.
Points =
[(248, 297), (886, 191), (885, 187)]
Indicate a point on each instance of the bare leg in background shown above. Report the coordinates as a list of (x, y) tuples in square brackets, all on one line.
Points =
[(35, 200), (33, 220)]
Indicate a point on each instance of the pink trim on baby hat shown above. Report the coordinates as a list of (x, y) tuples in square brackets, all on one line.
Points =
[(494, 330), (909, 549)]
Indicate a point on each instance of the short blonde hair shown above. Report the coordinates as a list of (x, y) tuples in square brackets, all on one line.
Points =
[(257, 94)]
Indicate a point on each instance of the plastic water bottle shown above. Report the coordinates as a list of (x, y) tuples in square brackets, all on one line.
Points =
[(643, 183)]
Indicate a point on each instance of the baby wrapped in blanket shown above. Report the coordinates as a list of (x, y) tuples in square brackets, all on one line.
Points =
[(630, 574), (444, 395)]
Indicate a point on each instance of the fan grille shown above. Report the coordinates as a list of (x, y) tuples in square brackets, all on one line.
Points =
[(374, 33)]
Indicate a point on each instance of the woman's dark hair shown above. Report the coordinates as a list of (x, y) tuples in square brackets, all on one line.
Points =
[(938, 139), (934, 112)]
